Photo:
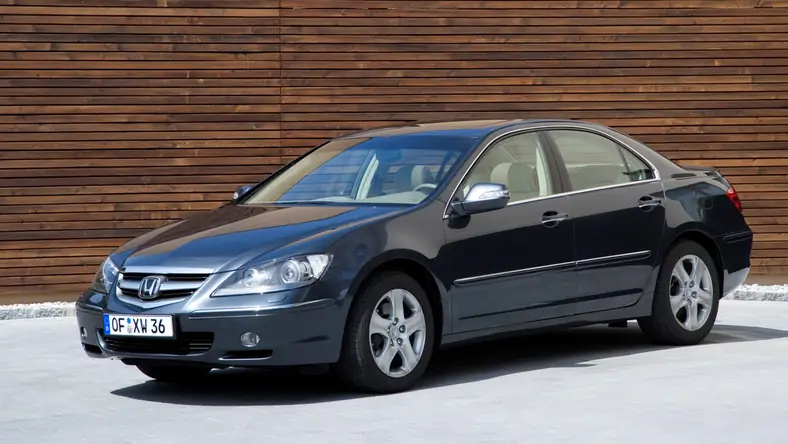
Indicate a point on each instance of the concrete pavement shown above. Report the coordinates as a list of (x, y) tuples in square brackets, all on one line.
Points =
[(590, 385)]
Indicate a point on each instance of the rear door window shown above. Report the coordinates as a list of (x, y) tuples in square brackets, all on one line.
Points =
[(594, 161)]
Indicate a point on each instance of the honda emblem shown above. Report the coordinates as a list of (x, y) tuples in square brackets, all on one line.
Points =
[(150, 287)]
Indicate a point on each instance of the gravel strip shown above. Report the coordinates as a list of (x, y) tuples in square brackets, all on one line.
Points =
[(757, 292), (30, 311)]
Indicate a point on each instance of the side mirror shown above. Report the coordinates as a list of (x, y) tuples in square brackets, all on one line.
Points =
[(241, 191), (481, 198)]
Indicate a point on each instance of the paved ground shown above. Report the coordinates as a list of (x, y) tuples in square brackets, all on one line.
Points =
[(581, 386)]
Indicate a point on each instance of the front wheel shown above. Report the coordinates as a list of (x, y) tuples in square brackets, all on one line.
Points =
[(686, 297), (389, 336), (173, 374)]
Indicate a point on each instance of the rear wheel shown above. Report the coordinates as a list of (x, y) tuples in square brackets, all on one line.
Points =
[(389, 336), (686, 297), (173, 374)]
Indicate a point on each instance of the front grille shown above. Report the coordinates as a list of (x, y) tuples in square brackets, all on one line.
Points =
[(186, 344), (173, 285)]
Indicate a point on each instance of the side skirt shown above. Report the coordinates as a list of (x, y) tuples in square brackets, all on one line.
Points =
[(640, 309)]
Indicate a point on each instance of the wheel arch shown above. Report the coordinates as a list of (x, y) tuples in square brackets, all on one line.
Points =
[(415, 266), (705, 240)]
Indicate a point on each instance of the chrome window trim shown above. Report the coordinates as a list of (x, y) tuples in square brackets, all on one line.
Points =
[(470, 279), (607, 187), (571, 193), (557, 126), (536, 199)]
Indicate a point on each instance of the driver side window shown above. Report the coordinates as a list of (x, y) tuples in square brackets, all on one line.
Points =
[(519, 162)]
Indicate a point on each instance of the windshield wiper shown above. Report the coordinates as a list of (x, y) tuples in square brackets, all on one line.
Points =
[(316, 202)]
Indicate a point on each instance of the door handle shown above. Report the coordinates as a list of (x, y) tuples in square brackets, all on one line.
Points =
[(648, 203), (553, 218)]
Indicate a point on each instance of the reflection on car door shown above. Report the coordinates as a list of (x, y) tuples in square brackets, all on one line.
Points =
[(515, 264), (619, 218)]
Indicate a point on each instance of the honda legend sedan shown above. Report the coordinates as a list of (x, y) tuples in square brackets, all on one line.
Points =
[(371, 251)]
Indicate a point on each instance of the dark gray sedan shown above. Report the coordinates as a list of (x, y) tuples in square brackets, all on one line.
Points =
[(373, 250)]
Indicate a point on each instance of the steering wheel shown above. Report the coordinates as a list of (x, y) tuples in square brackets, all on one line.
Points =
[(425, 185)]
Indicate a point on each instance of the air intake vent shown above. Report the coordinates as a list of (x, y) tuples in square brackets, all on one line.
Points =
[(186, 344)]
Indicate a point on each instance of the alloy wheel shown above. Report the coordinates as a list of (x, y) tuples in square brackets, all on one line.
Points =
[(691, 292), (397, 333)]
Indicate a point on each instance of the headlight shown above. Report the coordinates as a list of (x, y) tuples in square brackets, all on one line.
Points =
[(276, 275), (105, 276)]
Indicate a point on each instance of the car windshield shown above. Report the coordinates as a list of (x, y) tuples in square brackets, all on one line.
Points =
[(387, 170)]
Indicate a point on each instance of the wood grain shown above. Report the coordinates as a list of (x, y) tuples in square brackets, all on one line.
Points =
[(121, 116), (118, 116)]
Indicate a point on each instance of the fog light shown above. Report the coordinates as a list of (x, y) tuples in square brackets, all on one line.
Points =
[(249, 339), (83, 332)]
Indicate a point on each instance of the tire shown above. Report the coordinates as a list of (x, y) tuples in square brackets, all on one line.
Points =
[(357, 366), (173, 374), (665, 327)]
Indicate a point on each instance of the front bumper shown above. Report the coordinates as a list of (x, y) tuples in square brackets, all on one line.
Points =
[(298, 334)]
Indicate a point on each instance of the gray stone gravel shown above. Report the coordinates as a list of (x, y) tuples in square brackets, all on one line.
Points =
[(757, 292), (588, 385), (31, 311)]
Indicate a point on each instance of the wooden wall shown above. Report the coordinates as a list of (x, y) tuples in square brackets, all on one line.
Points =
[(117, 116)]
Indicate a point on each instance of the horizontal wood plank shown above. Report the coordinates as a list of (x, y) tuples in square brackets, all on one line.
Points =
[(94, 92)]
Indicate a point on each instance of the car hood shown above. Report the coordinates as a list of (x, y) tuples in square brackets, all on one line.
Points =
[(231, 236)]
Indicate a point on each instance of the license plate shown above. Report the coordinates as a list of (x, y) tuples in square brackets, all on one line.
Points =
[(131, 325)]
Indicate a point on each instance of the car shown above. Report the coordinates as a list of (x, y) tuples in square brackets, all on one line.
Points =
[(373, 250)]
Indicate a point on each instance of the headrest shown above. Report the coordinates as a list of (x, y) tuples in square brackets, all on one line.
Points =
[(518, 177), (410, 176)]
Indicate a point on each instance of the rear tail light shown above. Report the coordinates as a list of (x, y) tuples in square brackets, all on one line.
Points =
[(734, 197)]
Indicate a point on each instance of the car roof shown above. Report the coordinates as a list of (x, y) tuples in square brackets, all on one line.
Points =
[(479, 129), (456, 128)]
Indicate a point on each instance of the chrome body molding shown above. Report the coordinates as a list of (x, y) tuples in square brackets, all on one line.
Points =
[(590, 261), (634, 255), (484, 277)]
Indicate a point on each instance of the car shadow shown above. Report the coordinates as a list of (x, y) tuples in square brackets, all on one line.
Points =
[(570, 348)]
